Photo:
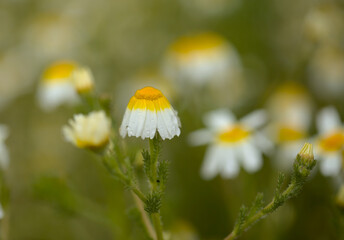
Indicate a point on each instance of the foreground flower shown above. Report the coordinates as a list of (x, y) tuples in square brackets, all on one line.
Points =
[(330, 142), (4, 156), (88, 131), (232, 143), (290, 110), (149, 112), (83, 80), (56, 87), (202, 58)]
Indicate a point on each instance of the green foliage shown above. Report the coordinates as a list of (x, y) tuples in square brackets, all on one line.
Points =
[(153, 202), (147, 163), (162, 173)]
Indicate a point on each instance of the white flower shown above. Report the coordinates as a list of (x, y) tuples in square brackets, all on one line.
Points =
[(201, 59), (290, 110), (88, 131), (330, 141), (56, 87), (83, 80), (148, 112), (4, 156), (232, 143)]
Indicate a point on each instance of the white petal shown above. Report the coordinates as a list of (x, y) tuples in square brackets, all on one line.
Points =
[(255, 119), (141, 119), (219, 119), (328, 120), (150, 125), (330, 165), (162, 128), (210, 167), (200, 137), (125, 122), (229, 167), (251, 157), (263, 142)]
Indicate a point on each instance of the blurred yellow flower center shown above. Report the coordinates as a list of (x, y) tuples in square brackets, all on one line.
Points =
[(148, 98), (287, 134), (234, 134), (292, 88), (190, 44), (148, 93), (334, 142), (59, 72)]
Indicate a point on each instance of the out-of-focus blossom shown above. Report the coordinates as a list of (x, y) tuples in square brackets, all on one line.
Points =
[(4, 156), (202, 59), (330, 141), (340, 197), (324, 23), (56, 86), (83, 80), (290, 109), (148, 112), (210, 7), (231, 143), (326, 72), (88, 131)]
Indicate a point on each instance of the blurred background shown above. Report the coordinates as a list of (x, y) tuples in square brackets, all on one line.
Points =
[(241, 55)]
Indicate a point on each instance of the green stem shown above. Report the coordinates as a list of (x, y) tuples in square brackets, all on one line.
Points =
[(263, 212), (154, 153)]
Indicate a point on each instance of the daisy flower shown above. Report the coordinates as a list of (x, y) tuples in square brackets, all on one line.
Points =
[(290, 111), (326, 72), (231, 143), (201, 59), (330, 141), (4, 156), (56, 87), (149, 112), (88, 131)]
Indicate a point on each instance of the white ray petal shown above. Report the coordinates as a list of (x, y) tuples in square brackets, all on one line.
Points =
[(328, 120), (125, 122), (251, 157), (150, 126), (210, 167), (200, 137), (219, 119), (255, 119), (162, 128), (229, 163), (330, 165)]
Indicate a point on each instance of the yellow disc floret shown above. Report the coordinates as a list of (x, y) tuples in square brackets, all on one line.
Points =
[(200, 42), (148, 98), (60, 71), (234, 134), (287, 134), (333, 142)]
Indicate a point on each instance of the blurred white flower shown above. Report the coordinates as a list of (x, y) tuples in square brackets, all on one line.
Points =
[(326, 72), (56, 86), (231, 143), (148, 112), (88, 131), (290, 110), (202, 59), (4, 155), (324, 23), (329, 142), (83, 80)]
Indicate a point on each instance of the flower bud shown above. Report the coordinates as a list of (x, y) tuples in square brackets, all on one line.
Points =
[(83, 80), (306, 154)]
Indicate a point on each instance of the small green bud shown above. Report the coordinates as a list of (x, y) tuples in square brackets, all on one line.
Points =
[(306, 154)]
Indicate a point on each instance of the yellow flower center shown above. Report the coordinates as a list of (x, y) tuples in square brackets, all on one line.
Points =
[(60, 71), (234, 134), (148, 93), (286, 134), (333, 142), (200, 42)]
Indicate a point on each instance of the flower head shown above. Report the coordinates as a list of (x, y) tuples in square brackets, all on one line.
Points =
[(88, 131), (232, 143), (330, 141), (56, 87), (149, 112), (4, 156), (201, 59), (83, 80)]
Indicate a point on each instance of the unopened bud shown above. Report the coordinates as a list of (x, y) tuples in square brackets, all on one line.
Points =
[(306, 153), (83, 80)]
